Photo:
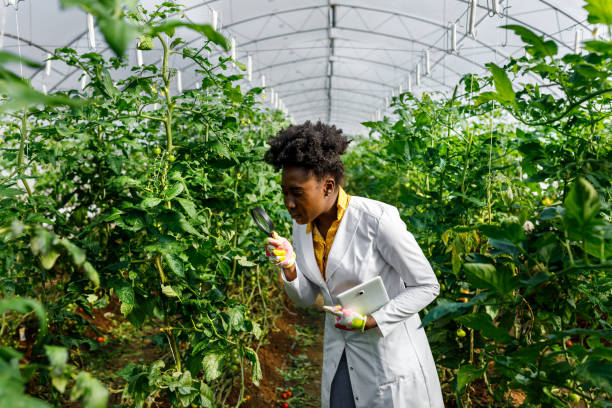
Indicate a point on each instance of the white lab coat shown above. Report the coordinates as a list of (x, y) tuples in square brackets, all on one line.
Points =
[(392, 365)]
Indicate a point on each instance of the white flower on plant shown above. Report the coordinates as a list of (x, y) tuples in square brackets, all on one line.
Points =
[(528, 227)]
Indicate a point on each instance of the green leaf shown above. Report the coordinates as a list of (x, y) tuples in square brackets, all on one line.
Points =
[(482, 321), (242, 261), (58, 357), (236, 319), (207, 396), (211, 365), (6, 56), (538, 47), (109, 86), (582, 203), (168, 291), (168, 27), (117, 33), (150, 202), (175, 263), (503, 86), (78, 255), (485, 276), (189, 207), (600, 11), (465, 375), (48, 260), (90, 390), (125, 293), (91, 273), (21, 94), (174, 191), (256, 374), (598, 372), (25, 305), (444, 308)]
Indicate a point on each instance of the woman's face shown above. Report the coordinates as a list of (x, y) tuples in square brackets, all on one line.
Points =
[(304, 195)]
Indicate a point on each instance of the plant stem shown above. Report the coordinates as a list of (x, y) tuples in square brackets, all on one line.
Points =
[(170, 105), (24, 135)]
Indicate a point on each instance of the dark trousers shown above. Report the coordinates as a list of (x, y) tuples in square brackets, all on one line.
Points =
[(341, 395)]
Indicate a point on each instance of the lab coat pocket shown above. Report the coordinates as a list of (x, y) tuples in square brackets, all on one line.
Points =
[(404, 392)]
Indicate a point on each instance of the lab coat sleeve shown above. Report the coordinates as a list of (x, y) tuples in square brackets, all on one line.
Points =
[(300, 290), (400, 250)]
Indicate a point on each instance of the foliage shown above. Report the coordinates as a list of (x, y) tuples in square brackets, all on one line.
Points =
[(140, 196), (506, 185)]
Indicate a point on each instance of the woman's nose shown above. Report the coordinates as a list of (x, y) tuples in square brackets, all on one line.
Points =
[(289, 203)]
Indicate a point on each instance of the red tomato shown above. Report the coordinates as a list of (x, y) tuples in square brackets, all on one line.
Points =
[(52, 327), (101, 339), (284, 395), (247, 398), (568, 343), (114, 336), (289, 394), (285, 405), (182, 345)]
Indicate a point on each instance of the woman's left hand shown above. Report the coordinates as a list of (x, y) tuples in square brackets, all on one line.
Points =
[(347, 319)]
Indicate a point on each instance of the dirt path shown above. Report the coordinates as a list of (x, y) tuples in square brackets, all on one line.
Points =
[(291, 360)]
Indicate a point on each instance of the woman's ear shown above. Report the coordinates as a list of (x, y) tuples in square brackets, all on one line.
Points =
[(329, 186)]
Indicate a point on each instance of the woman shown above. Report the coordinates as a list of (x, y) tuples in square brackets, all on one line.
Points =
[(339, 241)]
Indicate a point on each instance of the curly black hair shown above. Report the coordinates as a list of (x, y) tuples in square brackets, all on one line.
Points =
[(315, 147)]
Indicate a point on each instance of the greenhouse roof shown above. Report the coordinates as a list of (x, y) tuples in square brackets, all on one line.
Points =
[(338, 61)]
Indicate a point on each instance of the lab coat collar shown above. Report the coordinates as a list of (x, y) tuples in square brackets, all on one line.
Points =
[(342, 241)]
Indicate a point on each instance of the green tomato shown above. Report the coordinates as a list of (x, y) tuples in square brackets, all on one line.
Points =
[(145, 44), (157, 150), (461, 333), (574, 397), (171, 158)]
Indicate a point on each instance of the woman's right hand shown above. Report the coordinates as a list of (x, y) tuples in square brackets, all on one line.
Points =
[(280, 252)]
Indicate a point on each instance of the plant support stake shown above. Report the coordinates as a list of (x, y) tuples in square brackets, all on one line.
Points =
[(454, 37), (427, 63), (48, 65), (577, 40), (233, 48), (472, 23), (249, 68), (179, 82), (90, 32), (139, 57), (214, 19)]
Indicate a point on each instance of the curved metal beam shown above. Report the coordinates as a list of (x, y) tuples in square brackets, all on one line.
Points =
[(320, 106), (340, 58), (335, 89), (340, 101), (279, 84)]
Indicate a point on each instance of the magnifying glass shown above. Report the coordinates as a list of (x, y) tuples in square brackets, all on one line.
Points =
[(263, 221)]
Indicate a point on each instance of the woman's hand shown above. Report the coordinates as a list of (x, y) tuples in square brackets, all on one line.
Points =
[(280, 252), (347, 319)]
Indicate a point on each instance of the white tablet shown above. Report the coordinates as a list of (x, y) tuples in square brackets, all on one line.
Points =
[(366, 297)]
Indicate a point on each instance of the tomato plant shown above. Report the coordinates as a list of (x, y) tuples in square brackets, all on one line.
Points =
[(137, 195), (506, 185)]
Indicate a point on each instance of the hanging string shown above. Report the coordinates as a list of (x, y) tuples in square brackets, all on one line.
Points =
[(490, 159), (3, 26), (18, 43)]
